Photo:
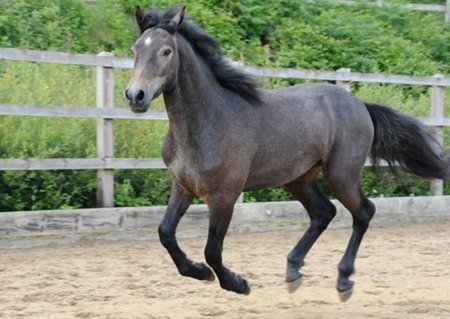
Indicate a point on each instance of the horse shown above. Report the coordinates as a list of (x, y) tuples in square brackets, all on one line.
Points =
[(226, 136)]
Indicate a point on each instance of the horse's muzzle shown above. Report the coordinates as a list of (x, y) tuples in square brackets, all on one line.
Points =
[(138, 100)]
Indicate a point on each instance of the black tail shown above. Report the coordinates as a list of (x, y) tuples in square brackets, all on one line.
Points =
[(401, 139)]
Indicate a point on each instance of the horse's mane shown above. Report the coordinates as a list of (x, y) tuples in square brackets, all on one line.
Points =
[(208, 49)]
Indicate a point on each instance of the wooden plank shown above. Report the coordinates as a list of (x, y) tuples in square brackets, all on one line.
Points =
[(398, 79), (55, 57), (435, 121), (66, 112), (65, 58), (447, 11), (345, 84), (136, 163), (437, 110), (106, 61), (81, 112), (342, 76), (423, 7), (29, 164), (123, 63), (381, 3), (105, 134)]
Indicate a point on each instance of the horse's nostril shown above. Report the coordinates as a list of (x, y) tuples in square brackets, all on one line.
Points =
[(140, 96), (126, 95)]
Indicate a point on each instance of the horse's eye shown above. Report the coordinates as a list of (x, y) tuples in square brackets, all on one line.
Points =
[(167, 52)]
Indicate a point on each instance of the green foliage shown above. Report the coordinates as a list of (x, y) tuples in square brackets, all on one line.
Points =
[(37, 190), (383, 182), (286, 33), (43, 24), (47, 84), (142, 187)]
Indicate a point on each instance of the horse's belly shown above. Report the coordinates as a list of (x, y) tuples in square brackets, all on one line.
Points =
[(277, 173)]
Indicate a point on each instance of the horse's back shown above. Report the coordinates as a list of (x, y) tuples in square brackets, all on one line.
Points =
[(301, 126), (325, 106)]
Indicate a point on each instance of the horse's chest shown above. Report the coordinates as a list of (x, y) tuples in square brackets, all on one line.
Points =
[(186, 172), (179, 167)]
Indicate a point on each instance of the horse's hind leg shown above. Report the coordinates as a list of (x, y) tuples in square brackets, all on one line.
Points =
[(320, 210), (345, 185), (178, 204)]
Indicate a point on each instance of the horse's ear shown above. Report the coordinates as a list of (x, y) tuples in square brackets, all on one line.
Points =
[(139, 15), (178, 18)]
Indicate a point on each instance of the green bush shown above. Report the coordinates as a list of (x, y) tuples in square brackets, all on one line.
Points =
[(44, 24), (37, 190)]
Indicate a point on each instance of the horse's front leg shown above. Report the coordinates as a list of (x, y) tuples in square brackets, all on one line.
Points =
[(220, 213), (178, 204)]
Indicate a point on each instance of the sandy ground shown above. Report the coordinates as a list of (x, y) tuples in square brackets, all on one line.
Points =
[(403, 271)]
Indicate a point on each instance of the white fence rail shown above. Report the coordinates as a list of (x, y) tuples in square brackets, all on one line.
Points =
[(386, 4), (105, 113), (383, 4)]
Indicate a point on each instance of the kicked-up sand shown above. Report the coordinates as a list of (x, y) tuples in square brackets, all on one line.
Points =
[(403, 271)]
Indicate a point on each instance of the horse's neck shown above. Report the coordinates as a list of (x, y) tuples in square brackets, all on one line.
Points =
[(193, 99)]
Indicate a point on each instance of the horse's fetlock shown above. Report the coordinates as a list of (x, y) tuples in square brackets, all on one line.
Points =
[(213, 257), (184, 270), (213, 260), (346, 270)]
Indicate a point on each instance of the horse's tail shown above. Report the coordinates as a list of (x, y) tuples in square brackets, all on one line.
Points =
[(401, 139)]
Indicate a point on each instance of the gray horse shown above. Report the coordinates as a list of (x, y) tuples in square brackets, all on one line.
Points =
[(227, 136)]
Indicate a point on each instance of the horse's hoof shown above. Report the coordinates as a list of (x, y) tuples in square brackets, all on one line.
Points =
[(198, 271), (345, 295), (345, 288), (294, 285), (247, 291), (236, 284), (242, 287), (206, 272), (211, 277)]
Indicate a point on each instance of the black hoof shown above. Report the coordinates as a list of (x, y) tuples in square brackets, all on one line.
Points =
[(294, 285), (345, 295), (236, 284), (345, 290), (292, 274), (198, 271), (293, 277)]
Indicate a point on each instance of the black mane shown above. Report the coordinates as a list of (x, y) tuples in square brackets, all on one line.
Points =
[(208, 49)]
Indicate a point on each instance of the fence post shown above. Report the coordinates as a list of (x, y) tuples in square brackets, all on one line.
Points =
[(105, 141), (345, 83), (447, 11), (437, 110)]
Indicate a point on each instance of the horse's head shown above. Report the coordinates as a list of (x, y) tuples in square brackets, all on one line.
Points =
[(155, 60)]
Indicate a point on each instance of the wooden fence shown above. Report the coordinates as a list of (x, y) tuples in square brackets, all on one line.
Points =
[(105, 113), (384, 4), (445, 8)]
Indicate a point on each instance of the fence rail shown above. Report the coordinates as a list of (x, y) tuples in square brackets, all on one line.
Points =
[(80, 163), (382, 3), (127, 63), (105, 113)]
